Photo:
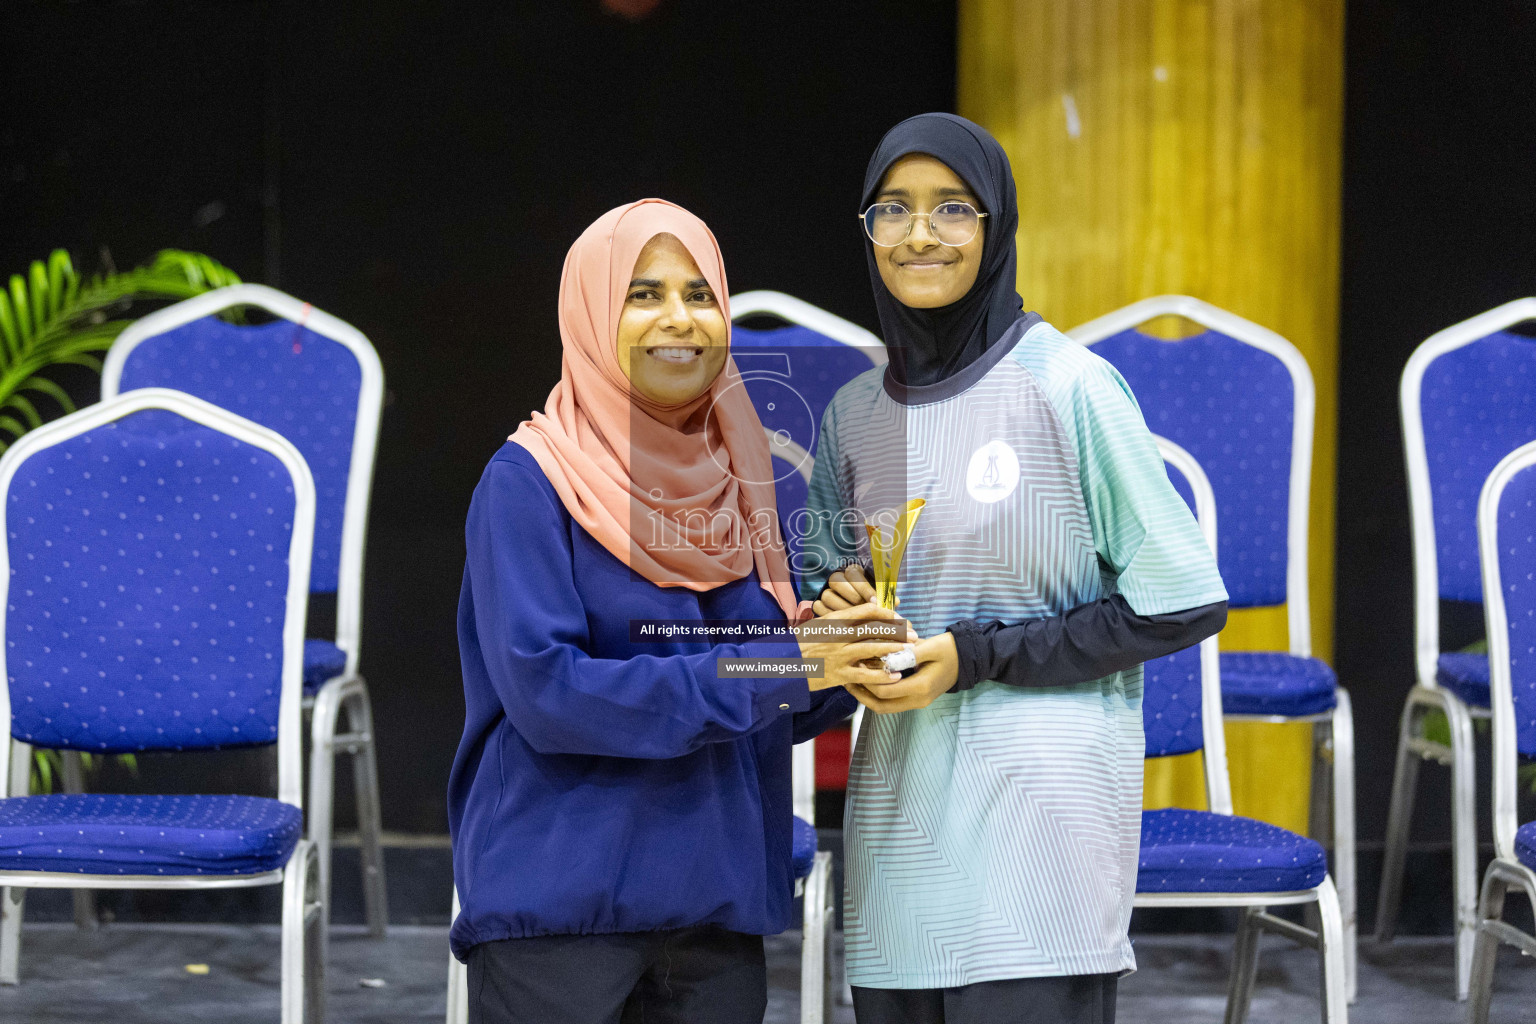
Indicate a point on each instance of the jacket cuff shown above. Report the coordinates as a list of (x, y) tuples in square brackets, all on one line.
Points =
[(776, 692), (784, 697)]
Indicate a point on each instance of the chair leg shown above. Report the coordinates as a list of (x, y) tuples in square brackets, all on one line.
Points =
[(370, 826), (1343, 728), (1463, 839), (12, 899), (1405, 781), (1320, 792), (86, 918), (322, 785), (1485, 948), (304, 917), (458, 980), (12, 903), (815, 946), (1245, 967), (1331, 950), (317, 916)]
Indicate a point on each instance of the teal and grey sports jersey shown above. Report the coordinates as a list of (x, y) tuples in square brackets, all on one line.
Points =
[(994, 833)]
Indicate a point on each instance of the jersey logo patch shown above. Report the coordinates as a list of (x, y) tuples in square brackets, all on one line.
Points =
[(993, 473)]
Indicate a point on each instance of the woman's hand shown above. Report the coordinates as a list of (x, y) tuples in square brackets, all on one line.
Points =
[(938, 666), (845, 589), (843, 660)]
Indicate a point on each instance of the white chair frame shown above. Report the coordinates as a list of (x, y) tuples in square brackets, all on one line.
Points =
[(1218, 786), (803, 314), (1328, 938), (1506, 871), (303, 957), (1333, 731), (816, 983), (1427, 694), (346, 693), (458, 977)]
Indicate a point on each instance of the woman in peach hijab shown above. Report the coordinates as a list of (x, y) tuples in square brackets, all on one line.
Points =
[(620, 810)]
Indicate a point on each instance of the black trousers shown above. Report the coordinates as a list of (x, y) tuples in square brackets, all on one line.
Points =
[(1076, 999), (703, 975)]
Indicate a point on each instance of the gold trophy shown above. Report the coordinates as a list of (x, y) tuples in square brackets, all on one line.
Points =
[(886, 561)]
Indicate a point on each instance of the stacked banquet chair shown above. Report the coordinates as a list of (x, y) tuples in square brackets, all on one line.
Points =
[(156, 580), (1211, 858), (1468, 398), (1239, 398), (791, 373), (1506, 533), (318, 382)]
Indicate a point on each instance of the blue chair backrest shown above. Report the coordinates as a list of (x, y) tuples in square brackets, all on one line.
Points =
[(282, 375), (1478, 404), (1517, 579), (791, 374), (1231, 406), (148, 588), (1172, 685), (1170, 704)]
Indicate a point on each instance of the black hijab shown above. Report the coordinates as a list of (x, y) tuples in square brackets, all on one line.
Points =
[(929, 345)]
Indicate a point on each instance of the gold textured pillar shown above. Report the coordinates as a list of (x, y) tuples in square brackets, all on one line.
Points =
[(1191, 147)]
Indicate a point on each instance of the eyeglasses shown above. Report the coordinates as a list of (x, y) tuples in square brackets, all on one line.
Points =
[(890, 224)]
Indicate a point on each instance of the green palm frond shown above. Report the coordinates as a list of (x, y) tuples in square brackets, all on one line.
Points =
[(51, 317), (48, 766), (200, 273), (43, 770)]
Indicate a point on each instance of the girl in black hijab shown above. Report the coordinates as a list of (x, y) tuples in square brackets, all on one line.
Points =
[(994, 799), (930, 345)]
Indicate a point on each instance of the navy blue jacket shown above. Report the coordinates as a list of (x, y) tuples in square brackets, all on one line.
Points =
[(604, 785)]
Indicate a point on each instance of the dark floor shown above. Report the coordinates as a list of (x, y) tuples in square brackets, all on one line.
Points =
[(136, 974)]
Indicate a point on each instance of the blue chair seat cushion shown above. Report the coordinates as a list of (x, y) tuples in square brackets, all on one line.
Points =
[(1465, 675), (98, 834), (323, 661), (1198, 851), (803, 847), (1274, 683), (1525, 844)]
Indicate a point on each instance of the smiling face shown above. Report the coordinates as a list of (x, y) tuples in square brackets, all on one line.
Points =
[(922, 272), (673, 338)]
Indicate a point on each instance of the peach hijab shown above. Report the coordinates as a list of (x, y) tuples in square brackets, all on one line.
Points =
[(685, 507)]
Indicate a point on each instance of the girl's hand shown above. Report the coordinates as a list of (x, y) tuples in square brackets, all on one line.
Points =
[(938, 666)]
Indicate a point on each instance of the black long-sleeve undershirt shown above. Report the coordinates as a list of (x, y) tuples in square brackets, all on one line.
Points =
[(1087, 642), (1084, 643)]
